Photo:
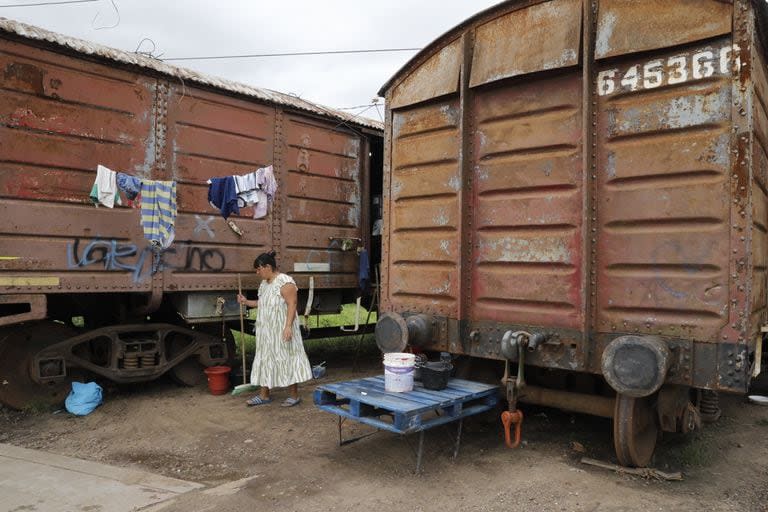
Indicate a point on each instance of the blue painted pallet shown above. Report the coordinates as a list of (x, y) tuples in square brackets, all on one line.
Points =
[(366, 401)]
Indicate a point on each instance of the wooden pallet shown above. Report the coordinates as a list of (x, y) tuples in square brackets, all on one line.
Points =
[(366, 401)]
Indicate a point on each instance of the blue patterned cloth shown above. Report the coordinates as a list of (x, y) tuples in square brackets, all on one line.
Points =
[(130, 185)]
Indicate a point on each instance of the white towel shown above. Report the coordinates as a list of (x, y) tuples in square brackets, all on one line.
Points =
[(106, 182)]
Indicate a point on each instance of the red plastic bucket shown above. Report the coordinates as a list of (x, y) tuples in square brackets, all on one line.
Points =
[(218, 379)]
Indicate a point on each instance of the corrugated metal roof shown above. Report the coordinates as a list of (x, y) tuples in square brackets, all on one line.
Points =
[(135, 59)]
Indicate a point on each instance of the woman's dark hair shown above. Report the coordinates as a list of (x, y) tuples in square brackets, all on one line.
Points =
[(264, 259)]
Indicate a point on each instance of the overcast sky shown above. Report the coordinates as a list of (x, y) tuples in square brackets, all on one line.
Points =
[(182, 28)]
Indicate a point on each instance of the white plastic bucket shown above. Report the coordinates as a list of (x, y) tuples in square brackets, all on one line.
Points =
[(398, 372)]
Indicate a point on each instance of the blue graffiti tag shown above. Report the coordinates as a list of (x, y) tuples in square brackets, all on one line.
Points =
[(117, 256)]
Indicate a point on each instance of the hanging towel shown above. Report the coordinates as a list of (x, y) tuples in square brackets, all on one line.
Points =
[(246, 189), (105, 187), (158, 211), (222, 194), (265, 180)]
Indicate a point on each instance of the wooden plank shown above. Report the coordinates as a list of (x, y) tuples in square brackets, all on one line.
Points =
[(455, 388), (372, 397), (411, 428), (419, 393)]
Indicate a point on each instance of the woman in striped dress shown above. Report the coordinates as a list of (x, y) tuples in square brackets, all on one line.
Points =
[(280, 360)]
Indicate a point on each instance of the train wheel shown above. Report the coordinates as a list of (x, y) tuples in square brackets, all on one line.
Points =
[(635, 429), (18, 346)]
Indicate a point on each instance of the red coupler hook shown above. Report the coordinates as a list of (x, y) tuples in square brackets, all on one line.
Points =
[(508, 418)]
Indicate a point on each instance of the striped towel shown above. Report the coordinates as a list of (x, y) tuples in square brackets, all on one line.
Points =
[(158, 211)]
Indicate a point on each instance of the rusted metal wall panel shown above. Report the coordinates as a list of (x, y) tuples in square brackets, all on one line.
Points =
[(436, 77), (59, 118), (631, 26), (536, 38), (322, 198), (759, 297), (423, 210), (527, 216), (211, 135), (663, 194), (671, 200)]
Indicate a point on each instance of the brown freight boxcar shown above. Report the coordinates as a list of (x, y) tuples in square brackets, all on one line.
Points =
[(581, 188), (67, 106)]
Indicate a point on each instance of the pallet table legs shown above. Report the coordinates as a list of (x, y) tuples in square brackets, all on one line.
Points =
[(458, 439), (421, 450)]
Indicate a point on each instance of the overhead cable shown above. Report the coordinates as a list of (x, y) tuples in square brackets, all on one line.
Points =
[(295, 54), (50, 3)]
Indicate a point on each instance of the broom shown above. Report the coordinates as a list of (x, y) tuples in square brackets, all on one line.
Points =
[(244, 387)]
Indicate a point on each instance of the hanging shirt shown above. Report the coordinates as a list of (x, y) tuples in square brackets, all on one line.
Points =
[(158, 211), (246, 189), (265, 180), (222, 194), (105, 187)]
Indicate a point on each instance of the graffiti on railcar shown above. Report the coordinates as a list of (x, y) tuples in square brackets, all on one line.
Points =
[(117, 256)]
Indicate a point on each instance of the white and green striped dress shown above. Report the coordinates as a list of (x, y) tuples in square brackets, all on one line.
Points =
[(277, 363)]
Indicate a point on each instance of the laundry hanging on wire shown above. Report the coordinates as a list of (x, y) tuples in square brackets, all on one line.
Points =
[(230, 193), (156, 199)]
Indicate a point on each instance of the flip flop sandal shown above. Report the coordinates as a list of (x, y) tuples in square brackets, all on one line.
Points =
[(257, 400), (290, 402)]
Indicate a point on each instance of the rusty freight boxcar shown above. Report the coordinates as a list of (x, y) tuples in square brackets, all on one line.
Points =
[(578, 189), (67, 106)]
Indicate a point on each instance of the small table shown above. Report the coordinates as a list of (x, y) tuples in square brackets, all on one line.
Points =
[(366, 401)]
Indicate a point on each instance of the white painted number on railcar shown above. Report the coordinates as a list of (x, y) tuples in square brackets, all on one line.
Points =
[(678, 69)]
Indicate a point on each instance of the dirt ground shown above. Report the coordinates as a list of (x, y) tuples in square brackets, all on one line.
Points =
[(274, 458)]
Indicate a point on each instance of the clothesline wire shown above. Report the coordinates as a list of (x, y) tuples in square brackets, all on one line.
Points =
[(344, 123), (296, 54), (356, 106)]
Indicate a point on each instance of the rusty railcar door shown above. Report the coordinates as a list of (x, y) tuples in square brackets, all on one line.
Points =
[(422, 188), (527, 181), (324, 181)]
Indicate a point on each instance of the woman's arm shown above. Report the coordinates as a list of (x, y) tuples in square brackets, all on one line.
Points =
[(249, 303), (290, 296)]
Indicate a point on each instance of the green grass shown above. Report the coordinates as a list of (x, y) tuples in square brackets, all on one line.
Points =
[(340, 344), (763, 422), (691, 450), (37, 407)]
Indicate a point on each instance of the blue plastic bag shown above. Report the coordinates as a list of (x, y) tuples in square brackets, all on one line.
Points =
[(83, 398)]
